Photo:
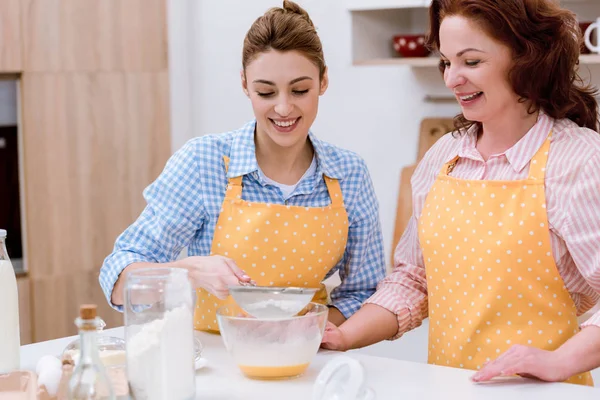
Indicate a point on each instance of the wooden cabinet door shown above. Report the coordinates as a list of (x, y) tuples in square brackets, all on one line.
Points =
[(92, 143), (95, 129), (94, 35), (10, 36), (24, 309)]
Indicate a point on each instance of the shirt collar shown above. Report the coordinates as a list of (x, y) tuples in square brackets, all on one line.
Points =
[(242, 157), (327, 161), (523, 151), (520, 154)]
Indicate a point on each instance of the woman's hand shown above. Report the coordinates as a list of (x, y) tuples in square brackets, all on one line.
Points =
[(213, 273), (333, 338), (528, 362)]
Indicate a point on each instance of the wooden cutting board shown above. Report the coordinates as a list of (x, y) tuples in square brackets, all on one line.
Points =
[(431, 130), (403, 206)]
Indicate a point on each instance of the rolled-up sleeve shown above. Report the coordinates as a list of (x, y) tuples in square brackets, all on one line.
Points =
[(173, 214), (404, 291), (363, 264)]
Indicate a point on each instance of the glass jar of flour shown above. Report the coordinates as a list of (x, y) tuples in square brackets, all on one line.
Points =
[(159, 334)]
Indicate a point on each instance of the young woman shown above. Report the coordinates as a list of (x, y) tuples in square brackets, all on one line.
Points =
[(502, 250), (268, 202)]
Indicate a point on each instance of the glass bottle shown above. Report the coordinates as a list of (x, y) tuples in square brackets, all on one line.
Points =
[(10, 342), (89, 380)]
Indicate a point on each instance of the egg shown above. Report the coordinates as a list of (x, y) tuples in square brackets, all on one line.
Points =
[(49, 372), (47, 362), (50, 378)]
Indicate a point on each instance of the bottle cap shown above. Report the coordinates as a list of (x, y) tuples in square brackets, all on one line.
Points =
[(2, 233), (87, 311)]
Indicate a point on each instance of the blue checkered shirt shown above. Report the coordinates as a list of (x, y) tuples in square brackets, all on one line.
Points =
[(184, 202)]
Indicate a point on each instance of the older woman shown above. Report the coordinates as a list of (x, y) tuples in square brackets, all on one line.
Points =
[(502, 252)]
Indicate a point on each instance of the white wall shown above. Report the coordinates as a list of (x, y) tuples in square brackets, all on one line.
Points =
[(374, 111)]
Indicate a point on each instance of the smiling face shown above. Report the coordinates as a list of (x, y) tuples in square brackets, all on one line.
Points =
[(476, 69), (284, 89)]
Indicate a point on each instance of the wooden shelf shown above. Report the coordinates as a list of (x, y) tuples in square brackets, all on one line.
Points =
[(375, 22), (589, 59), (370, 5), (419, 62), (433, 62), (362, 5)]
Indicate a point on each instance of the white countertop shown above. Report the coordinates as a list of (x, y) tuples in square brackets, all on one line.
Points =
[(390, 378)]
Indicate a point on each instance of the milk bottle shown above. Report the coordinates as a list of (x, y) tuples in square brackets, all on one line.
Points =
[(9, 312)]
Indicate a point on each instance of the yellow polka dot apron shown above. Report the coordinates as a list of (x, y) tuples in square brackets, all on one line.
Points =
[(277, 245), (491, 278)]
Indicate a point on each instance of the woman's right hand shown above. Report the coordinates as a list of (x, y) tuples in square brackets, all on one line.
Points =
[(213, 273), (333, 338)]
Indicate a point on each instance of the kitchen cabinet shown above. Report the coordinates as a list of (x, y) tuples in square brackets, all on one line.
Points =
[(92, 143), (95, 129), (10, 35), (94, 35)]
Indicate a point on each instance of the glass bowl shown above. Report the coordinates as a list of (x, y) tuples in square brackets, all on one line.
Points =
[(112, 349), (272, 348)]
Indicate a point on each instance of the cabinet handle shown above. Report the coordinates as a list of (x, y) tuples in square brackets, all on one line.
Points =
[(2, 143)]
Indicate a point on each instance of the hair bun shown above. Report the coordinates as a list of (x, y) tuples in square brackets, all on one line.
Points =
[(291, 7)]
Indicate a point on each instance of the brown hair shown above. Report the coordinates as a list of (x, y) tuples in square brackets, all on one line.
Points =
[(284, 29), (545, 41)]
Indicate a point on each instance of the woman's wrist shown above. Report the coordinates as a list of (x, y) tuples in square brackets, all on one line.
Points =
[(181, 263), (580, 353), (346, 343)]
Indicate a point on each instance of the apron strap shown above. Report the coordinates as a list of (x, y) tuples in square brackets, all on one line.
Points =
[(335, 191), (234, 185), (537, 166)]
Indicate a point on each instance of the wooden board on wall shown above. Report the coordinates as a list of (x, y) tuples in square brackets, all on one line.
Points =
[(403, 206), (10, 36), (95, 35), (92, 142), (431, 130)]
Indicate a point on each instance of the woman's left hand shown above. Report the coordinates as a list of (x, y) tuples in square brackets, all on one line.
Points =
[(528, 362)]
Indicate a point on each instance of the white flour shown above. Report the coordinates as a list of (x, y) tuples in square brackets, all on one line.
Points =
[(160, 358), (275, 308), (292, 352)]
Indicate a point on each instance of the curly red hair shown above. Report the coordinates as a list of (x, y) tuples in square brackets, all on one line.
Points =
[(545, 41)]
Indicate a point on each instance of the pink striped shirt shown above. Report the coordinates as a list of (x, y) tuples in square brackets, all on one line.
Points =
[(573, 206)]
